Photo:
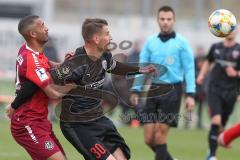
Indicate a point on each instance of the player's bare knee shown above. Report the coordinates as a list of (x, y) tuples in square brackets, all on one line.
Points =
[(57, 156), (160, 138), (110, 157), (119, 155), (149, 140), (216, 120)]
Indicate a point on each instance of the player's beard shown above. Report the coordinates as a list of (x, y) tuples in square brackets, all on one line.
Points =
[(43, 40), (107, 47)]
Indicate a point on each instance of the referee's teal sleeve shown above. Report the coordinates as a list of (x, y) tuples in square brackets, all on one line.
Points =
[(187, 60)]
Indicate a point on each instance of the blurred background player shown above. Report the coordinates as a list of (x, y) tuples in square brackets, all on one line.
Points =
[(223, 85), (200, 95), (170, 49)]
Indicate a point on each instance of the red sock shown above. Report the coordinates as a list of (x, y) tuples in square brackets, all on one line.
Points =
[(232, 133)]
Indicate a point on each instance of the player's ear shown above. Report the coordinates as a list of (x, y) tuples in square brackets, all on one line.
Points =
[(96, 39), (32, 34)]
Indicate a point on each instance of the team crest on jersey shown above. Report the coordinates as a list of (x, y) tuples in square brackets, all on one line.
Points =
[(65, 70), (49, 145), (235, 54), (217, 51), (41, 73), (170, 60)]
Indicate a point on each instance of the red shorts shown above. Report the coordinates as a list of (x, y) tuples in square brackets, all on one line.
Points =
[(36, 137)]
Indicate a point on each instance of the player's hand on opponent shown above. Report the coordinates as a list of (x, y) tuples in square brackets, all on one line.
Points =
[(9, 111), (68, 56), (134, 99), (149, 69), (189, 103), (231, 72)]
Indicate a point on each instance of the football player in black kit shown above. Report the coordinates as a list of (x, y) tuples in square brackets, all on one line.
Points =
[(223, 85), (82, 120)]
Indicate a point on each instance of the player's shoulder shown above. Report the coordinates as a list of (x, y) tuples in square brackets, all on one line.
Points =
[(80, 51), (217, 45), (23, 51), (23, 54), (152, 38), (238, 46)]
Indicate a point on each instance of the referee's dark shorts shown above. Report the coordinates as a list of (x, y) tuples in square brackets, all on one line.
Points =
[(162, 109), (95, 139)]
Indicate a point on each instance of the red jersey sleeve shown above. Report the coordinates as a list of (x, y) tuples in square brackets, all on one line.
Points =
[(35, 71)]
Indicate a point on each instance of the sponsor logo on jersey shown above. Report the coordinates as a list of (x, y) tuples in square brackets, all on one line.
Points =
[(95, 84), (41, 73)]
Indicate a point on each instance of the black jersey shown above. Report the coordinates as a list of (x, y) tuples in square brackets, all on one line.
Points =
[(89, 74), (223, 57)]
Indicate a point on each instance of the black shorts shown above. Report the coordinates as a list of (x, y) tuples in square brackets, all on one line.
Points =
[(95, 139), (221, 102), (162, 109)]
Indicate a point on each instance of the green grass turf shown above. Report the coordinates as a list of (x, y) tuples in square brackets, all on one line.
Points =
[(183, 144)]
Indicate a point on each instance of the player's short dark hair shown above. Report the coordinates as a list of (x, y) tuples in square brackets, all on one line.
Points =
[(25, 22), (92, 26), (166, 9)]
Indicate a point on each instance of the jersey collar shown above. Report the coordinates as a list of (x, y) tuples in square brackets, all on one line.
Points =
[(30, 49), (166, 37)]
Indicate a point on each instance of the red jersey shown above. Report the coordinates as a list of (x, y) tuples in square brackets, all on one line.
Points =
[(35, 67)]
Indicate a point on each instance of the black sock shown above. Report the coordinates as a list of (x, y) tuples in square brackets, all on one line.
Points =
[(169, 157), (153, 148), (161, 152), (212, 139)]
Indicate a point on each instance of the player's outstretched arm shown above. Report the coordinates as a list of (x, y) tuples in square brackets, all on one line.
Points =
[(56, 91), (123, 69)]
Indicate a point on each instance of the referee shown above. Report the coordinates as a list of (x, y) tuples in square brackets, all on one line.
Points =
[(169, 49)]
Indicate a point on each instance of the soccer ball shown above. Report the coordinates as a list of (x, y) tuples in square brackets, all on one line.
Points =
[(222, 22)]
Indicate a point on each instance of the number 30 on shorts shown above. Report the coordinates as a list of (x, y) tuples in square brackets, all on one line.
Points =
[(98, 150)]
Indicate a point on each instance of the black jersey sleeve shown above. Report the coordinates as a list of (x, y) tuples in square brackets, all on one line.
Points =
[(118, 68), (238, 64), (210, 56), (123, 69), (67, 71), (27, 90)]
